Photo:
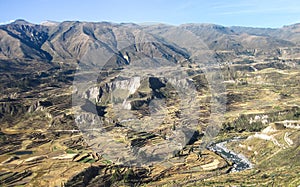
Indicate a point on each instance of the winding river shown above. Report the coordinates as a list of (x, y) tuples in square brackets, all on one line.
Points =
[(240, 162)]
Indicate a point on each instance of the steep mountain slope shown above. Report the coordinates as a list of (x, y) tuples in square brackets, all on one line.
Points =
[(21, 39), (289, 33), (74, 42), (218, 37), (89, 43)]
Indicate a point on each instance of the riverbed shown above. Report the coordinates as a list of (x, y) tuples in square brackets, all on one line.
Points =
[(240, 162)]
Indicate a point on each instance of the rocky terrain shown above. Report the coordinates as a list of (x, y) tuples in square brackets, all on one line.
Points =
[(105, 104)]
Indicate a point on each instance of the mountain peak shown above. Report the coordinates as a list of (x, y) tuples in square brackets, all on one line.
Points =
[(21, 22), (49, 23)]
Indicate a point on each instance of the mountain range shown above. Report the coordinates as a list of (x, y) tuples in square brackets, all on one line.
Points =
[(71, 41)]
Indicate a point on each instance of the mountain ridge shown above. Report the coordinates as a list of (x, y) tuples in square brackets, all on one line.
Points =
[(72, 40)]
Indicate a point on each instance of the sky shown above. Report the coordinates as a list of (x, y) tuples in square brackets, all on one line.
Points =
[(254, 13)]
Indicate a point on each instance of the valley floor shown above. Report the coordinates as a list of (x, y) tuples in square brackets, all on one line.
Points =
[(41, 145)]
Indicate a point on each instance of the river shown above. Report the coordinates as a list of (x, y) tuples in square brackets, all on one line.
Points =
[(240, 162)]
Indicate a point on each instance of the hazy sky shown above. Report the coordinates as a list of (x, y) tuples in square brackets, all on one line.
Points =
[(259, 13)]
